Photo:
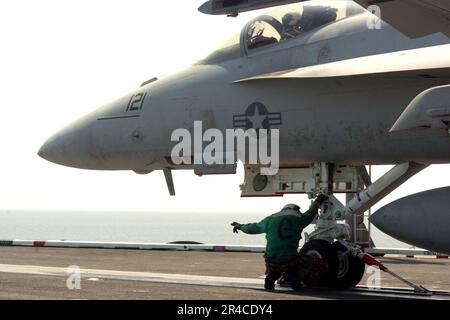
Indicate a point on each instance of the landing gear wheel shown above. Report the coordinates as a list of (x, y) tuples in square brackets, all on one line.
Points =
[(325, 251), (351, 269)]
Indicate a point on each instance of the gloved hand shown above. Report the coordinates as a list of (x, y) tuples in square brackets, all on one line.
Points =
[(236, 226), (321, 198)]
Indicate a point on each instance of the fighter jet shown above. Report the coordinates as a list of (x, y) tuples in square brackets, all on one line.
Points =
[(325, 87)]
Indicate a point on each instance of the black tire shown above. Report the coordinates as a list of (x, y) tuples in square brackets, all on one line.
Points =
[(325, 251), (351, 269)]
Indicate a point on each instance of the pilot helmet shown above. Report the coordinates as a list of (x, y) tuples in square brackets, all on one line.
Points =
[(291, 206), (291, 21)]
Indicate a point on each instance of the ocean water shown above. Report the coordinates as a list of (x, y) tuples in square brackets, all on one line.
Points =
[(213, 228)]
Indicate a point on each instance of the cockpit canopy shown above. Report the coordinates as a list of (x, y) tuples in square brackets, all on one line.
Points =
[(283, 24)]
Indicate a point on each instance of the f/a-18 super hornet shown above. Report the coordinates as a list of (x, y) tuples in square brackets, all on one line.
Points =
[(326, 88)]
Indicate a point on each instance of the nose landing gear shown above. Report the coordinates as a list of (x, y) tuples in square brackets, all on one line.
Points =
[(323, 250), (345, 270), (351, 269), (346, 261)]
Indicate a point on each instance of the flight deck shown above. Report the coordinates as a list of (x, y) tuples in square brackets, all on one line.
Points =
[(47, 273)]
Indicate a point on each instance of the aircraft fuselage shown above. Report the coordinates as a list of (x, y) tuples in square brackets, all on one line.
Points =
[(338, 120)]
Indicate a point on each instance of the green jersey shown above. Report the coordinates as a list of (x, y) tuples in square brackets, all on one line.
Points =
[(283, 232)]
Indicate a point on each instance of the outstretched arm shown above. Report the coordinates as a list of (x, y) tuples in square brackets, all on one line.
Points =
[(251, 228)]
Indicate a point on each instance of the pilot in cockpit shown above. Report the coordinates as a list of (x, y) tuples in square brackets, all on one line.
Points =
[(291, 25), (312, 17)]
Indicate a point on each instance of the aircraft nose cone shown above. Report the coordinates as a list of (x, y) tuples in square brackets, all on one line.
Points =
[(71, 146)]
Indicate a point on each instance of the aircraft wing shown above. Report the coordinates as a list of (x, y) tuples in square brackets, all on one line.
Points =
[(424, 62), (414, 18)]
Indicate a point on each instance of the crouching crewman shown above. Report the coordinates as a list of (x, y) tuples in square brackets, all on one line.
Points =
[(283, 232)]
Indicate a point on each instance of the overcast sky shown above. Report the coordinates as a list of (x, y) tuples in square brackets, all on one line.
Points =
[(61, 59)]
